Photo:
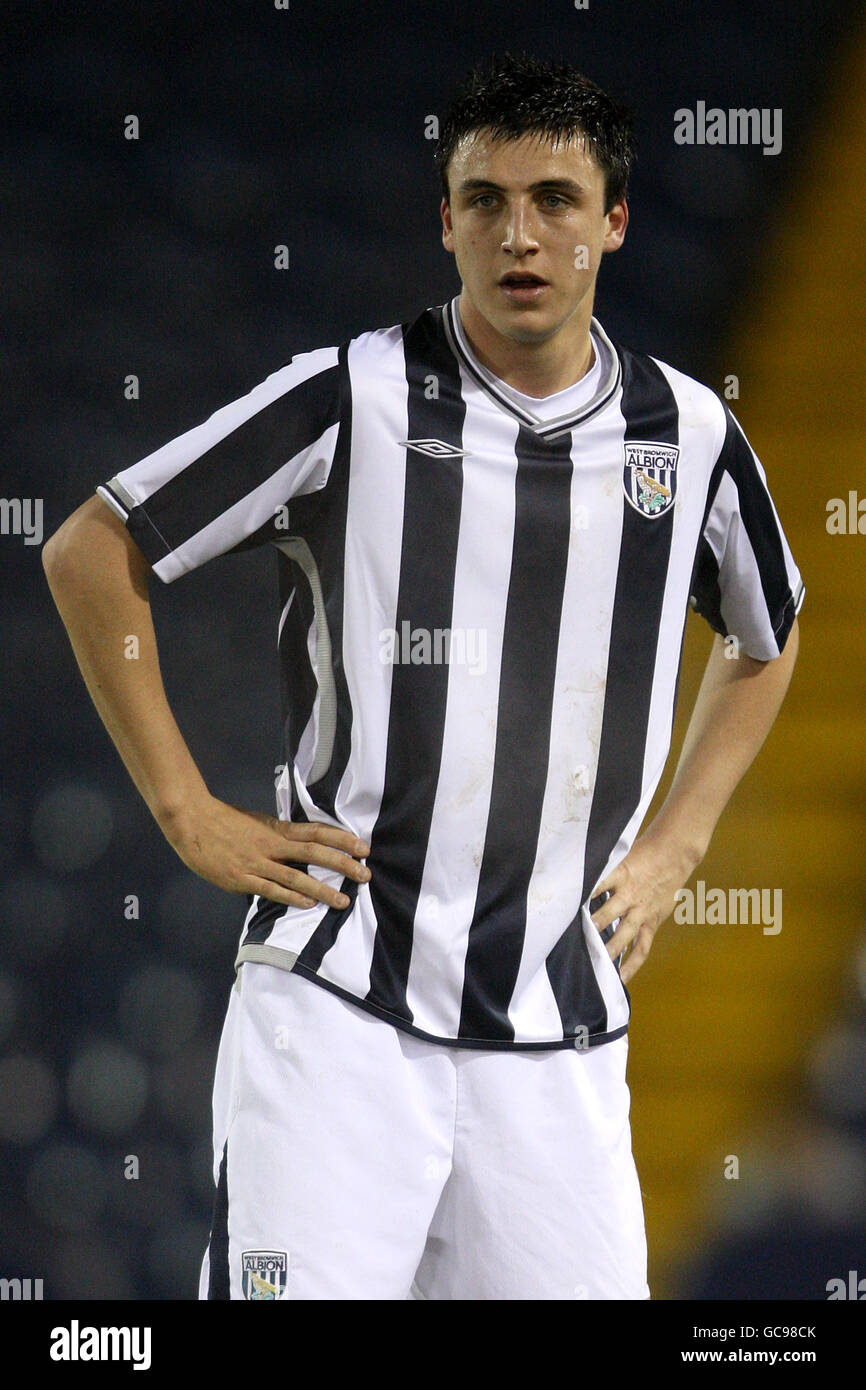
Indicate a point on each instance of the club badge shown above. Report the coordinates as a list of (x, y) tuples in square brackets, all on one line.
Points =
[(649, 476), (264, 1274)]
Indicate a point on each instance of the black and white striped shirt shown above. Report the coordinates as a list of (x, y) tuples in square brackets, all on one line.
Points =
[(480, 629)]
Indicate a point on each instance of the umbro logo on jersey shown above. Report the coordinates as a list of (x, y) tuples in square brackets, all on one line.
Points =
[(649, 476), (434, 448)]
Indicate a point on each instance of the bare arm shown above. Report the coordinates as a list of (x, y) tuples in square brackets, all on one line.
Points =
[(99, 580), (735, 709)]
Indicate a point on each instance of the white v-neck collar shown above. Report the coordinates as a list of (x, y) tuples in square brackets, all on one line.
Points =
[(547, 429), (570, 398)]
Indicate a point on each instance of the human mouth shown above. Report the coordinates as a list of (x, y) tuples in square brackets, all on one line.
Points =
[(522, 286)]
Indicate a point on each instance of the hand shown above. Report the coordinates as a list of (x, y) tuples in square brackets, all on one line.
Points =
[(251, 852), (643, 889)]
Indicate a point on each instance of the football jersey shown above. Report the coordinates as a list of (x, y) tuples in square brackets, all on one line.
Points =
[(481, 616)]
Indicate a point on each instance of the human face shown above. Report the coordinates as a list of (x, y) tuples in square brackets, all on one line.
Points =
[(527, 227)]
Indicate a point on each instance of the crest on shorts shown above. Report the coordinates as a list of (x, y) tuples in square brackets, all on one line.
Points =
[(264, 1274), (649, 476)]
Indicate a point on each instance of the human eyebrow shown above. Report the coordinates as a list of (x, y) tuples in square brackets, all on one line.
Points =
[(561, 185), (552, 185), (473, 186)]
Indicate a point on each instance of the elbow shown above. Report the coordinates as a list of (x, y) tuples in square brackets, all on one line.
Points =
[(792, 644), (54, 555), (59, 553), (92, 548), (69, 548)]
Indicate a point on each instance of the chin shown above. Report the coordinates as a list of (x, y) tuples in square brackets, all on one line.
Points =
[(519, 334), (522, 329)]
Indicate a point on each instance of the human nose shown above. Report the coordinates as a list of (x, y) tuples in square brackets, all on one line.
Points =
[(519, 231)]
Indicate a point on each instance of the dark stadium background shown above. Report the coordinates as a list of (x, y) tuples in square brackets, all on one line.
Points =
[(260, 127)]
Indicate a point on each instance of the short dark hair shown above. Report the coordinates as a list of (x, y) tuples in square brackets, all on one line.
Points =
[(515, 96)]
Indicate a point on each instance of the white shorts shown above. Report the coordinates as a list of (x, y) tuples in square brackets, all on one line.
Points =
[(355, 1161)]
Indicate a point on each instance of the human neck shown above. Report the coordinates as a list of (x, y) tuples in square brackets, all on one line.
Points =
[(537, 369)]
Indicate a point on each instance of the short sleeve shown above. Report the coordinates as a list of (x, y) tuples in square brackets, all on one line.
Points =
[(745, 582), (221, 485)]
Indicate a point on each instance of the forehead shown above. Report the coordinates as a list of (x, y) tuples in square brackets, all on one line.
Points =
[(524, 160)]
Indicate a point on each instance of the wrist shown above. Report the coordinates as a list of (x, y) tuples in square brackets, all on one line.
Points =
[(684, 846), (177, 810)]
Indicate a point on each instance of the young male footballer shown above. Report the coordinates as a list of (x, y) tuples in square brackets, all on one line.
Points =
[(489, 525)]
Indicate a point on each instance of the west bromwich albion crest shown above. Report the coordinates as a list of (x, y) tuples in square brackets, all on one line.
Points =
[(649, 476), (264, 1274)]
